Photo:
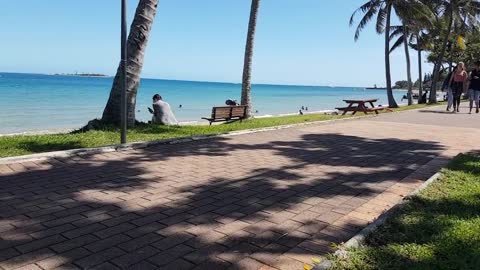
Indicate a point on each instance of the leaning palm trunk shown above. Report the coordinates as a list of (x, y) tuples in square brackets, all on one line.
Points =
[(136, 44), (420, 79), (391, 99), (438, 63), (409, 76), (247, 64)]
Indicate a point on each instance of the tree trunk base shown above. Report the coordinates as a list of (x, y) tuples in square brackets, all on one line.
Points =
[(99, 124), (95, 124)]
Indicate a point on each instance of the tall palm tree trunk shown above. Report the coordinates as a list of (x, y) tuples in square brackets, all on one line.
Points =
[(452, 49), (450, 60), (438, 63), (409, 74), (391, 99), (247, 63), (420, 79), (136, 44)]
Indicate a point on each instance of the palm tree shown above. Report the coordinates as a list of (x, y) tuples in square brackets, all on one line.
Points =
[(418, 42), (407, 33), (455, 12), (247, 64), (403, 31), (407, 56), (419, 45), (382, 9), (136, 44)]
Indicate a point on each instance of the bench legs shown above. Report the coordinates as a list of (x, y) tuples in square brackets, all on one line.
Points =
[(373, 106), (364, 108), (346, 110)]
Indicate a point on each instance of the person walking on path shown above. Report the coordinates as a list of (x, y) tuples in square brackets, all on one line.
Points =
[(474, 91), (446, 84), (458, 82)]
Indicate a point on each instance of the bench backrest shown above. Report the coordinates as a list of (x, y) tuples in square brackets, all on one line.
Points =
[(229, 112)]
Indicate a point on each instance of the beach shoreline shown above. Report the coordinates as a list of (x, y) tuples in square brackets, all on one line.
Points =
[(54, 131), (183, 123), (59, 104)]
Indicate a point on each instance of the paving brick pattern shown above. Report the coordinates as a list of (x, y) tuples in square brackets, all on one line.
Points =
[(269, 200)]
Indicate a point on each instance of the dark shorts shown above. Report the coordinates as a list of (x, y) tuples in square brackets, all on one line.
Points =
[(457, 89)]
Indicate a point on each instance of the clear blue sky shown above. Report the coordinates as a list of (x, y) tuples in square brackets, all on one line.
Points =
[(297, 41)]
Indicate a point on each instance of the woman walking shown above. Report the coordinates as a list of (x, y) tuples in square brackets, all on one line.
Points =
[(458, 81)]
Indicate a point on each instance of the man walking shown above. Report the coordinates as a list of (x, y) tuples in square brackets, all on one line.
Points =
[(474, 91)]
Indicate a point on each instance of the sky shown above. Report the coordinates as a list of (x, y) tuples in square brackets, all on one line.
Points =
[(298, 42)]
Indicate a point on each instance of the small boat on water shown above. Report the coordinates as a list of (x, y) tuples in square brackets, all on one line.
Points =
[(375, 87)]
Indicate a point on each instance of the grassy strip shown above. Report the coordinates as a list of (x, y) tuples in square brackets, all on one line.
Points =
[(29, 144), (22, 145), (437, 229)]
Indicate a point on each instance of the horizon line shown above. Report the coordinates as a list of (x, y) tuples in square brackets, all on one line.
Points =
[(183, 80)]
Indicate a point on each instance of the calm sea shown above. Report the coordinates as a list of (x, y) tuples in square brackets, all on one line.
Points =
[(33, 102)]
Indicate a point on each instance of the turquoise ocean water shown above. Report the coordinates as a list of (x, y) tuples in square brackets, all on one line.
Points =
[(33, 102)]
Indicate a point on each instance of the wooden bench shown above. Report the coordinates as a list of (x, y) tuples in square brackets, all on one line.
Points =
[(227, 113)]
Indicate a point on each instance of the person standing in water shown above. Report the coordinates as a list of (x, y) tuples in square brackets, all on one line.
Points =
[(474, 91), (458, 82)]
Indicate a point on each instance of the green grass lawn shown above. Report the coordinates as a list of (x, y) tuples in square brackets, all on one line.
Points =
[(437, 229), (29, 144)]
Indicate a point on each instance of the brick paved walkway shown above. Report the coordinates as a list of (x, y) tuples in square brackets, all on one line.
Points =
[(269, 200)]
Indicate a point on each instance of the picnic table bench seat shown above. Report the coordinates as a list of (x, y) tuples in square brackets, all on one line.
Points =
[(227, 113), (375, 109), (356, 108)]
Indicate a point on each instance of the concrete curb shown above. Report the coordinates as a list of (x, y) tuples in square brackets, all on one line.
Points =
[(140, 145), (359, 239)]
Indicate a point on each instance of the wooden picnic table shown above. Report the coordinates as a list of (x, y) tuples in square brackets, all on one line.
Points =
[(360, 105)]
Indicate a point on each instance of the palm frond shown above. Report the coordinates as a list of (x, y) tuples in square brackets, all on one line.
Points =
[(395, 31), (363, 9), (381, 17), (397, 43), (364, 21)]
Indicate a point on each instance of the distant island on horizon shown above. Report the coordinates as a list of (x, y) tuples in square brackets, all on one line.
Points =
[(99, 75), (81, 74)]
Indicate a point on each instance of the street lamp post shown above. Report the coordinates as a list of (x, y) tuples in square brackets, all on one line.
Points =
[(123, 98)]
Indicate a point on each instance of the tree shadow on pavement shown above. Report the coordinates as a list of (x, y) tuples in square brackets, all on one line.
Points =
[(228, 202)]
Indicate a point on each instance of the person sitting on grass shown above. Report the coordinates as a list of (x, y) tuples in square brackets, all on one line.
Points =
[(162, 113)]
